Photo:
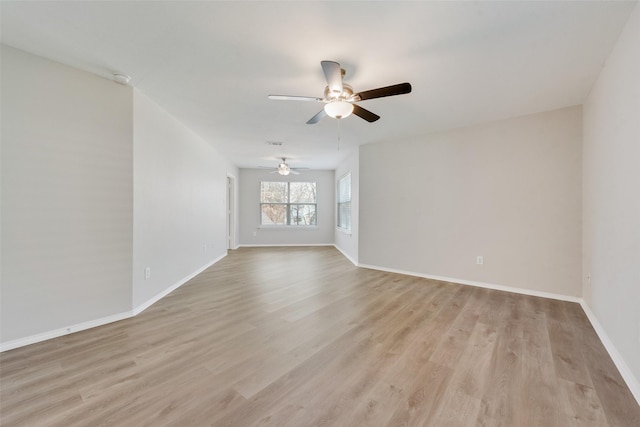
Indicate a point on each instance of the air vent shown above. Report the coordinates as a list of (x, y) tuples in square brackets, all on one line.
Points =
[(276, 143)]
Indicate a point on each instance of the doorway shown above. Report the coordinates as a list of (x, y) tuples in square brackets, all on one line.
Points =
[(231, 185)]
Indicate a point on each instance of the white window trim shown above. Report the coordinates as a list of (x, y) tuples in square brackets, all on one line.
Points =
[(286, 226), (343, 229)]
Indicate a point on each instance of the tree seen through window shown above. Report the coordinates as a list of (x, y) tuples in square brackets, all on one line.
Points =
[(288, 203)]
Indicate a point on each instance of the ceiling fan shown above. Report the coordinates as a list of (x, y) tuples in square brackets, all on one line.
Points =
[(284, 169), (339, 98)]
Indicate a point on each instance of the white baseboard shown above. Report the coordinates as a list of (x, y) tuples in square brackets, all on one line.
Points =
[(626, 373), (21, 342), (623, 368), (353, 261), (142, 307), (273, 245), (522, 291)]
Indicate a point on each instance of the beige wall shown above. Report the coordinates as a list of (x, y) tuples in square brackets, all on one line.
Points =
[(509, 191), (612, 198), (179, 202), (252, 234), (67, 196), (98, 183)]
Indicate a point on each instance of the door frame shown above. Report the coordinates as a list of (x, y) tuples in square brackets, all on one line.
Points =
[(230, 211)]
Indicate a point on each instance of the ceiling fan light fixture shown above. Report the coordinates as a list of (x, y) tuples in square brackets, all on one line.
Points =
[(338, 109), (283, 169)]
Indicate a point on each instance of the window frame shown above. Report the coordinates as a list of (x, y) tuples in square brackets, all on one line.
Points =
[(288, 206), (339, 203)]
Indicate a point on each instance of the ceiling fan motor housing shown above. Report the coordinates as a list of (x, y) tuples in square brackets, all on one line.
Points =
[(346, 94)]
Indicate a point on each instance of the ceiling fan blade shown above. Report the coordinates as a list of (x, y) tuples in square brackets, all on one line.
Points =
[(333, 74), (365, 114), (293, 98), (315, 119), (296, 171), (399, 89)]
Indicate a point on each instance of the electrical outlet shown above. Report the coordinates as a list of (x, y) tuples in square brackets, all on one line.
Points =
[(255, 233), (204, 247), (479, 260), (147, 273)]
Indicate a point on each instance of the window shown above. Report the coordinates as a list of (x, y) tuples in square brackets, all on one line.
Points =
[(288, 203), (344, 202)]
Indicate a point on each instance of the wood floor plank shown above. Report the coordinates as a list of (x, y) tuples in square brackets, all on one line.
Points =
[(567, 356), (618, 405), (462, 398), (380, 392), (586, 409), (423, 397), (456, 337), (501, 403), (539, 378), (301, 337)]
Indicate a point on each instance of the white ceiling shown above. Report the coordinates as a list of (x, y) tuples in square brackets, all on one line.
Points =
[(212, 64)]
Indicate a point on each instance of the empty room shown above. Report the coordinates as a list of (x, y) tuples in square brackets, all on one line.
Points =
[(320, 213)]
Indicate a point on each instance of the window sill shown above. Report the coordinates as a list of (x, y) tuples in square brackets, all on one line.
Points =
[(344, 230), (288, 227)]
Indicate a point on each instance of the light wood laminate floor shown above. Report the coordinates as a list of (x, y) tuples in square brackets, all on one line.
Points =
[(301, 337)]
